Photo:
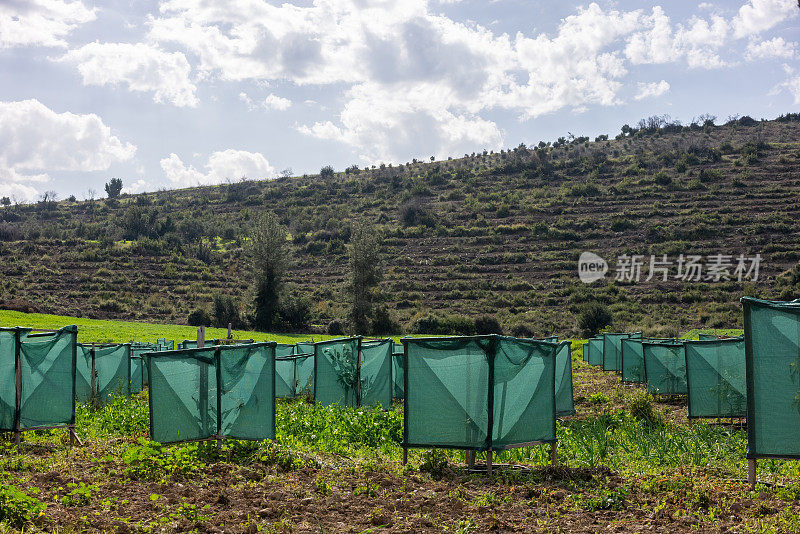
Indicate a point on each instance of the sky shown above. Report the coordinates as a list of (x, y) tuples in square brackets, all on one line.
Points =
[(178, 93)]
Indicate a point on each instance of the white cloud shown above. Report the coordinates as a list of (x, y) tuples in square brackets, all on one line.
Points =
[(140, 66), (760, 15), (139, 186), (40, 22), (275, 102), (18, 192), (433, 79), (35, 140), (791, 85), (221, 166), (651, 89), (776, 47), (271, 102)]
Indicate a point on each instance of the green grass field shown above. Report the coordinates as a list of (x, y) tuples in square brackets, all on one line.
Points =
[(100, 331), (93, 330)]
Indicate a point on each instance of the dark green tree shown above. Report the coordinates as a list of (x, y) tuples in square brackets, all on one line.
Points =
[(114, 188), (269, 250), (365, 274)]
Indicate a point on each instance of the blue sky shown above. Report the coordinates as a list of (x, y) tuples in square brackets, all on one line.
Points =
[(175, 93)]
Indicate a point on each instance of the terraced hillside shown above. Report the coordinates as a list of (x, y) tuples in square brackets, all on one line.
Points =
[(489, 233)]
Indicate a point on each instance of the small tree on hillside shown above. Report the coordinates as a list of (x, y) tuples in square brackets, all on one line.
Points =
[(114, 187), (593, 317), (365, 274), (270, 255), (326, 172)]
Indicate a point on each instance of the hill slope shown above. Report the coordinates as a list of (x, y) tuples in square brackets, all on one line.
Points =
[(497, 233)]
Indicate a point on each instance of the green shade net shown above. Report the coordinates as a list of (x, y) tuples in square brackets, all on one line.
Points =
[(612, 349), (187, 344), (585, 352), (376, 373), (336, 372), (283, 349), (524, 401), (305, 375), (772, 353), (564, 400), (48, 379), (111, 364), (247, 374), (633, 370), (8, 389), (449, 394), (304, 347), (665, 367), (184, 396), (83, 374), (595, 351), (397, 370), (706, 337), (632, 365), (716, 378), (137, 349), (137, 374), (284, 377)]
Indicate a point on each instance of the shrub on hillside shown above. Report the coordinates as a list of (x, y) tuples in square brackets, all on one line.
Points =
[(487, 324), (199, 317), (443, 325), (521, 330), (226, 312), (592, 318), (383, 323), (335, 328)]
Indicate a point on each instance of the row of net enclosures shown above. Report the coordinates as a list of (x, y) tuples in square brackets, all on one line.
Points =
[(37, 378), (106, 369), (212, 393), (479, 393), (710, 371), (347, 371)]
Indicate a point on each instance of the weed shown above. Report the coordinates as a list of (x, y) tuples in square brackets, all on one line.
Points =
[(434, 462), (17, 507), (79, 495)]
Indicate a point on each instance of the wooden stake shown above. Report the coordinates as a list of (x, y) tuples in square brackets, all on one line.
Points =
[(73, 438), (470, 459), (554, 453), (230, 336), (751, 472), (201, 337), (405, 456), (489, 462)]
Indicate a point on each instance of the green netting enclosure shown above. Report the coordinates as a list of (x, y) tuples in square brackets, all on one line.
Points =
[(187, 344), (707, 337), (211, 393), (665, 367), (103, 370), (595, 356), (37, 378), (304, 384), (113, 371), (612, 349), (715, 378), (336, 379), (375, 373), (479, 393), (563, 385), (397, 371), (633, 370), (772, 356), (285, 377)]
